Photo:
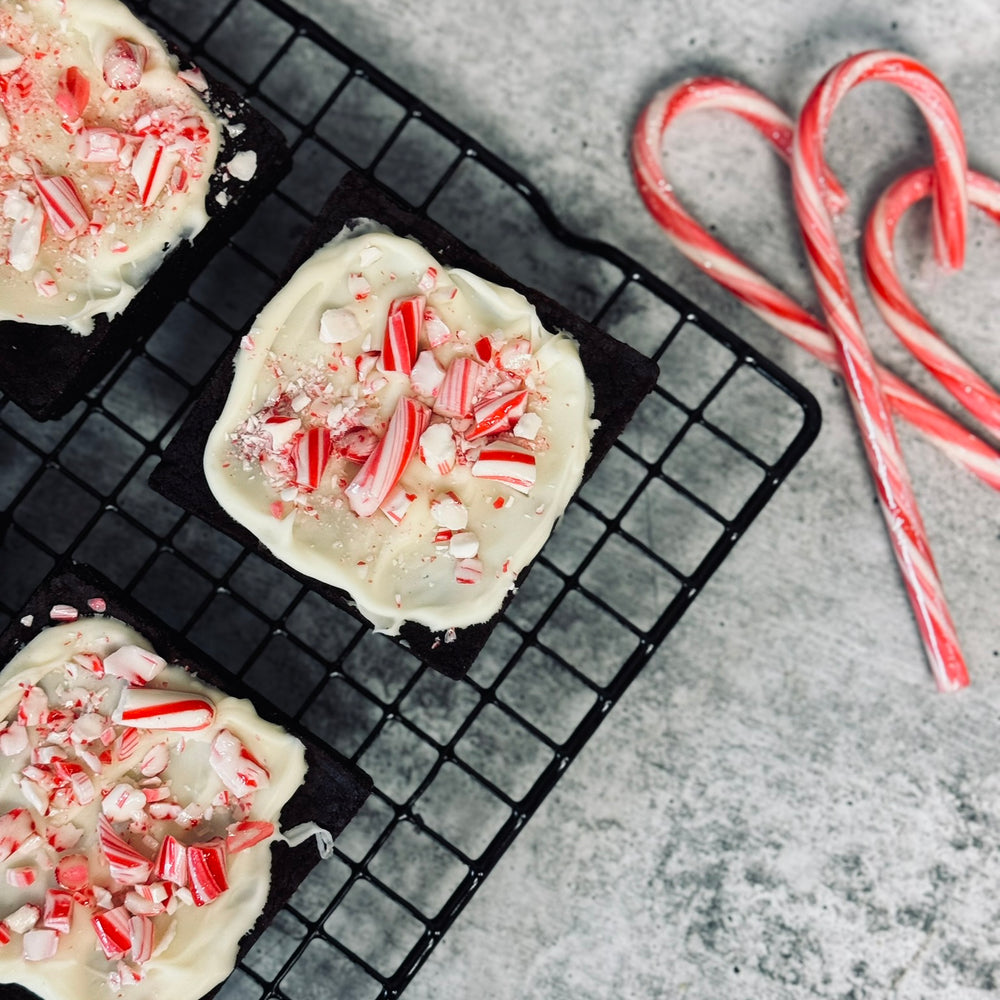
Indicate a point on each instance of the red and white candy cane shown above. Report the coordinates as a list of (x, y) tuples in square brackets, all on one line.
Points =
[(899, 312), (772, 305), (871, 410), (159, 708)]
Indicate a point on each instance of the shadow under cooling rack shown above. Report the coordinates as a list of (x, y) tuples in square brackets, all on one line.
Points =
[(459, 766)]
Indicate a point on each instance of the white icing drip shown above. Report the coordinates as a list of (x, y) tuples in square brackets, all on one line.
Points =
[(305, 831), (393, 572), (196, 947), (94, 273)]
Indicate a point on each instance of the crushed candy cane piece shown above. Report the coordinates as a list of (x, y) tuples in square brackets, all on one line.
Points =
[(428, 280), (13, 740), (35, 795), (402, 332), (17, 828), (98, 145), (45, 284), (497, 415), (310, 457), (238, 769), (358, 286), (506, 464), (40, 945), (91, 662), (113, 931), (435, 329), (397, 503), (194, 78), (63, 838), (458, 388), (515, 355), (57, 914), (463, 545), (153, 164), (155, 761), (468, 571), (97, 604), (338, 326), (155, 892), (87, 727), (157, 708), (171, 861), (124, 63), (26, 232), (21, 878), (127, 865), (73, 93), (81, 783), (357, 444), (384, 467), (63, 207), (63, 613), (369, 255), (243, 165), (207, 876), (133, 664), (72, 871), (33, 703), (240, 836), (437, 448), (448, 511), (528, 426), (140, 938), (23, 918), (365, 363), (123, 802), (427, 375), (281, 430)]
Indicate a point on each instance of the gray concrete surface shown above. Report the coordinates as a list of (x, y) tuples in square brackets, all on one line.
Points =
[(781, 806)]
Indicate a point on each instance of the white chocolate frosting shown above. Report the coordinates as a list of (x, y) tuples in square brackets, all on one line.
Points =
[(194, 947), (446, 546), (159, 135)]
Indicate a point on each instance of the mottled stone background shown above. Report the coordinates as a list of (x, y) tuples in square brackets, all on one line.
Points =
[(781, 806)]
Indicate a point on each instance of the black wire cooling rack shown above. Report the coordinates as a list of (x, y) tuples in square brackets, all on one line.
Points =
[(459, 766)]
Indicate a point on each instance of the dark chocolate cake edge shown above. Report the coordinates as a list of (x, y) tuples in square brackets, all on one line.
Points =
[(621, 377)]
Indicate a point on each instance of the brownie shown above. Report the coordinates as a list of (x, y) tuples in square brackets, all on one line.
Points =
[(334, 789), (46, 369), (620, 377)]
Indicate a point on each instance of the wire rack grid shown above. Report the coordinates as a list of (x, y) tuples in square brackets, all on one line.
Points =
[(459, 766)]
